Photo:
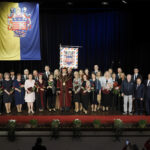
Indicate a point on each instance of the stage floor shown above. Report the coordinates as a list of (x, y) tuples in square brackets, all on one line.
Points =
[(65, 117)]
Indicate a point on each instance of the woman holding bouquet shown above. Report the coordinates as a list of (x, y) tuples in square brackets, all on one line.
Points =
[(30, 93), (107, 85), (76, 89), (41, 97), (85, 87), (8, 91), (19, 93), (51, 92), (95, 90)]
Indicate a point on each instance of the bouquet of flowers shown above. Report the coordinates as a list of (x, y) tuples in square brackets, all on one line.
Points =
[(12, 90), (50, 83), (93, 87), (32, 89), (105, 91), (1, 90), (116, 89)]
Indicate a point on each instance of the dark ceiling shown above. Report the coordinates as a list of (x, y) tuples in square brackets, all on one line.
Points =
[(57, 4)]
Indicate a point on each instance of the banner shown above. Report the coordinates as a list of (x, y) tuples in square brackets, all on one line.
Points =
[(68, 57), (19, 31)]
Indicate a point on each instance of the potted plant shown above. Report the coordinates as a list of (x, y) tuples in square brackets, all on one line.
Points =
[(55, 128), (77, 123), (55, 124), (33, 123), (142, 124), (96, 124), (11, 130), (118, 126)]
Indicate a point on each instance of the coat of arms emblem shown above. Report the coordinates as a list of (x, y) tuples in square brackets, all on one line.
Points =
[(19, 21)]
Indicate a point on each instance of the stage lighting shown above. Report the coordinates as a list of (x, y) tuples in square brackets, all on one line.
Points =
[(124, 1), (104, 3), (70, 3)]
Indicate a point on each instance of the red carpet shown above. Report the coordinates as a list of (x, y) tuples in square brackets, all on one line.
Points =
[(70, 118)]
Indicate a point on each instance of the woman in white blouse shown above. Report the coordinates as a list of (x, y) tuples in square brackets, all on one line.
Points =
[(107, 85), (30, 93)]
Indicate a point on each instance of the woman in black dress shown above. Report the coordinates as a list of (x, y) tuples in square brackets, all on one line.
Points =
[(1, 93), (76, 89), (8, 91), (85, 87), (51, 92)]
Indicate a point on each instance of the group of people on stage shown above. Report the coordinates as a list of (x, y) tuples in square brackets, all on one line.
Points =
[(66, 89)]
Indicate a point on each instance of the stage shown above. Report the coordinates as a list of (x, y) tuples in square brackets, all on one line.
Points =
[(67, 117)]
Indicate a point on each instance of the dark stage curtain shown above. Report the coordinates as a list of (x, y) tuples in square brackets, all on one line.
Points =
[(105, 37)]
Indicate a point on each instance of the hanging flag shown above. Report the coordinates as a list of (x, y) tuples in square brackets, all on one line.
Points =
[(68, 57), (19, 31)]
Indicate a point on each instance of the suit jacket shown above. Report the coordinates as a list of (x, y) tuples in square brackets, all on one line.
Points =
[(139, 91), (147, 90), (138, 76), (45, 77)]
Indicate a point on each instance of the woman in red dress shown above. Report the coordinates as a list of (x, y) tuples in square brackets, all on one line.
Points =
[(40, 85)]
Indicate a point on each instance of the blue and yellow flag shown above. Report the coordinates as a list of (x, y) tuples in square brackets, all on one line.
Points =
[(19, 31)]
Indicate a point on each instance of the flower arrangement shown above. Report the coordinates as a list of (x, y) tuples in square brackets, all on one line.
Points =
[(55, 124), (142, 124), (118, 123), (33, 123), (116, 89), (1, 90), (50, 83), (11, 130), (77, 123), (96, 124), (32, 89)]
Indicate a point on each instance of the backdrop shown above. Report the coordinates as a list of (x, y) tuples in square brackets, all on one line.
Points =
[(108, 37)]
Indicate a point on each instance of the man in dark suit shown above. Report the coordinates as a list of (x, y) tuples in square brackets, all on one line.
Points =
[(46, 73), (147, 95), (118, 74), (25, 75), (136, 75), (35, 75), (139, 96)]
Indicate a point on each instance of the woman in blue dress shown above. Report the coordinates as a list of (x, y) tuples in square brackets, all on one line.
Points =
[(8, 91), (19, 92)]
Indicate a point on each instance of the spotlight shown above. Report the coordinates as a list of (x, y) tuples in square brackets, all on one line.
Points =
[(104, 3), (124, 1), (69, 3)]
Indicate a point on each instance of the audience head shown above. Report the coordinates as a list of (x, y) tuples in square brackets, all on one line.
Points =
[(38, 141)]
